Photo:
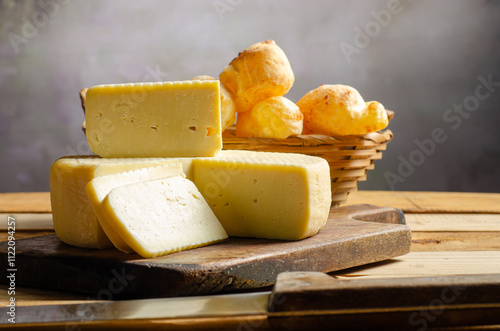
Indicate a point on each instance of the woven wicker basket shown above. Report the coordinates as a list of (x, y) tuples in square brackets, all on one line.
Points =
[(349, 157)]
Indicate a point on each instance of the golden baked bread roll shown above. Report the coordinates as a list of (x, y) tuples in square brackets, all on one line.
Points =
[(339, 110), (274, 117), (83, 100), (376, 117), (259, 72), (228, 110)]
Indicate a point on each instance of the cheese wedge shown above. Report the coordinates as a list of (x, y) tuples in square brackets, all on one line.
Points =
[(162, 216), (266, 195), (99, 187), (154, 119), (75, 222)]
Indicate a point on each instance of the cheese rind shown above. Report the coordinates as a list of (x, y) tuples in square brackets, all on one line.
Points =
[(162, 216), (154, 119), (99, 187), (75, 222), (266, 195)]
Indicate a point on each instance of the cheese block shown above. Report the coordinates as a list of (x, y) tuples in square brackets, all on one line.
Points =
[(266, 195), (253, 194), (99, 187), (162, 216), (75, 222), (154, 119)]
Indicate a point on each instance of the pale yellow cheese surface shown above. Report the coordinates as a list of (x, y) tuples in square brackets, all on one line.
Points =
[(162, 216), (266, 195), (253, 194), (154, 119), (75, 222), (99, 187)]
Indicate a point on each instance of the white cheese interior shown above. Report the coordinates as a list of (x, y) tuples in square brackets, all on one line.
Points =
[(162, 216), (99, 187)]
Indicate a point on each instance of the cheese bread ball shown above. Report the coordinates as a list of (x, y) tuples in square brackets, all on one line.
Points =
[(376, 117), (339, 110), (227, 107), (274, 117), (259, 72), (83, 99)]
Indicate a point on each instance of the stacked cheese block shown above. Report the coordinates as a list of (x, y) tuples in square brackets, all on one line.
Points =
[(160, 183)]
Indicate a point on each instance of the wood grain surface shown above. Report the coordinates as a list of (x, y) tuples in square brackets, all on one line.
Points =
[(431, 202), (428, 263), (452, 234), (27, 202), (454, 222), (303, 300), (353, 236)]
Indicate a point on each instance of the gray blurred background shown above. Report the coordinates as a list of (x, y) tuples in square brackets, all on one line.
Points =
[(435, 63)]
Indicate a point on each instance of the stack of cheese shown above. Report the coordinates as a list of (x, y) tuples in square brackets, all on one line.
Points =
[(160, 183)]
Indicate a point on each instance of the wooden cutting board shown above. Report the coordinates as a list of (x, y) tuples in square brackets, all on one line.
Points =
[(354, 235)]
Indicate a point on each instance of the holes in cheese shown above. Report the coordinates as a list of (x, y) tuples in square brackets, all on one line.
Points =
[(135, 120), (210, 131), (162, 216), (99, 187)]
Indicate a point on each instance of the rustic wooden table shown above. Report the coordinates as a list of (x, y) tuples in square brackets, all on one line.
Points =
[(452, 234)]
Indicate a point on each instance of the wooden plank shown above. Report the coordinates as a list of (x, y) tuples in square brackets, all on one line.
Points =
[(25, 202), (257, 322), (307, 300), (25, 234), (235, 264), (27, 296), (455, 241), (430, 202), (453, 222), (27, 221), (434, 263)]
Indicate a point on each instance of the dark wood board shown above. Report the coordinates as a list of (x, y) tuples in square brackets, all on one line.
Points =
[(317, 301), (354, 235)]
